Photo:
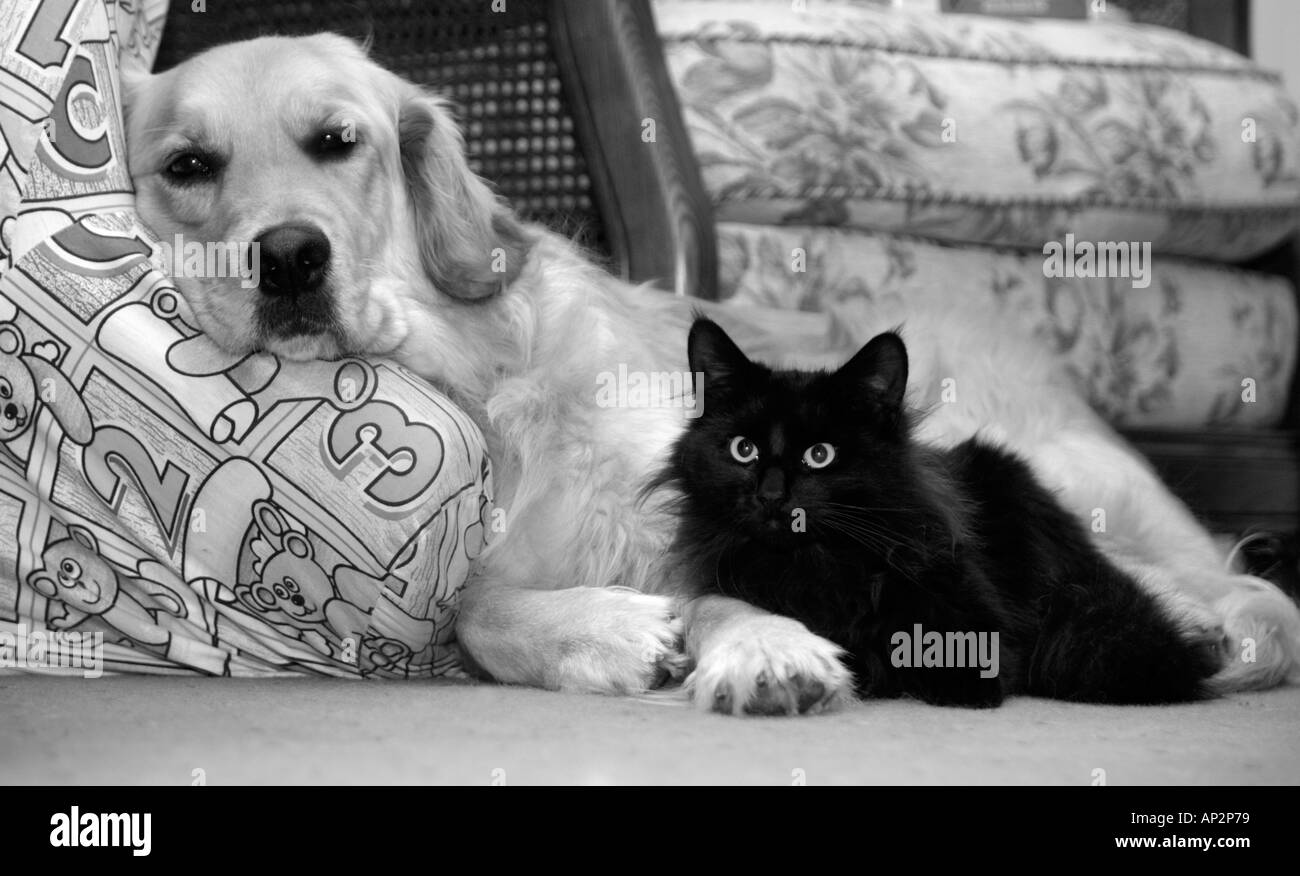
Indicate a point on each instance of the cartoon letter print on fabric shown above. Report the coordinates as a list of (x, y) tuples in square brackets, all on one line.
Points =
[(203, 513)]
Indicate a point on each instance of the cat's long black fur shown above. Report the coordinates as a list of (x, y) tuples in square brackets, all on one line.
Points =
[(895, 535)]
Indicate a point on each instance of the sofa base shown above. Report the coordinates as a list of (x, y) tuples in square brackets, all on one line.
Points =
[(1235, 481)]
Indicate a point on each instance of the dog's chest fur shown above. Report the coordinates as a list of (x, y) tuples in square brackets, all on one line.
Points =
[(567, 467)]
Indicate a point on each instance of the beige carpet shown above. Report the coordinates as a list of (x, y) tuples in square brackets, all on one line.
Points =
[(160, 730)]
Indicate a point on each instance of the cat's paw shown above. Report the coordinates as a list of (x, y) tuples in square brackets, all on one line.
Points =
[(629, 642), (960, 688), (769, 665), (1198, 625), (1211, 638)]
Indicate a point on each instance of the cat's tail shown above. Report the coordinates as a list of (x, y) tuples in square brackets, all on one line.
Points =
[(1106, 640)]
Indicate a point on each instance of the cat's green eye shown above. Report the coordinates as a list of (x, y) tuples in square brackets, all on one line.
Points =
[(819, 455), (743, 450)]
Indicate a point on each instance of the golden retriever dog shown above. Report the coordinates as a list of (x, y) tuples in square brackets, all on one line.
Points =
[(376, 238)]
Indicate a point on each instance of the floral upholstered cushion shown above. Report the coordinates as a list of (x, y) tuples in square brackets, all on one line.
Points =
[(978, 129), (1202, 345)]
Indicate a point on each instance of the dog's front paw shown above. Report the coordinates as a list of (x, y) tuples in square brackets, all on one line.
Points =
[(769, 665), (630, 642)]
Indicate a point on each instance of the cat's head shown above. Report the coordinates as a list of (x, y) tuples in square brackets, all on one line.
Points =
[(788, 455)]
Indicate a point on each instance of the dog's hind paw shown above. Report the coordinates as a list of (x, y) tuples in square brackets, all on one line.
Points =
[(1262, 637), (769, 665)]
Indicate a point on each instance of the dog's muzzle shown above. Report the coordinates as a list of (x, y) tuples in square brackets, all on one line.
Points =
[(294, 265)]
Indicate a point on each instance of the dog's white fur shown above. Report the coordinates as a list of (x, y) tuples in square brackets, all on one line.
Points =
[(577, 593)]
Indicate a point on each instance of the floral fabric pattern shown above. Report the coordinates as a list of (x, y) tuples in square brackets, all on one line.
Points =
[(1181, 353), (853, 115)]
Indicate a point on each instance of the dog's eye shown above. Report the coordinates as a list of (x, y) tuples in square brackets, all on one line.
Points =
[(334, 144), (5, 390), (189, 167)]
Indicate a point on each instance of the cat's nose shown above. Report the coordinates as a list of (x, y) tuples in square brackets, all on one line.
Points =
[(771, 488)]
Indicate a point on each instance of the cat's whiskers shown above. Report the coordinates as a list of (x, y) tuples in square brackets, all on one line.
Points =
[(866, 512), (886, 508), (879, 542), (846, 524), (870, 525), (862, 534), (886, 553)]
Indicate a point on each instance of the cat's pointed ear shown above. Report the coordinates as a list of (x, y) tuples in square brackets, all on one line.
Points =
[(712, 353), (880, 367)]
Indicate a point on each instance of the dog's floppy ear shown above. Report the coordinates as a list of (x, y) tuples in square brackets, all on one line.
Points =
[(132, 73), (133, 78), (471, 246)]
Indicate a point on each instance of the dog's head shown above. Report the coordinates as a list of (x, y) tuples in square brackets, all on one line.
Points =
[(303, 193)]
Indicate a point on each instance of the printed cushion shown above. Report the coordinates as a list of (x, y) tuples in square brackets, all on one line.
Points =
[(1202, 345), (189, 512), (979, 129)]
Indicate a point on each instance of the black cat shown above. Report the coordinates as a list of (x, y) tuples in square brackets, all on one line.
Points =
[(948, 575)]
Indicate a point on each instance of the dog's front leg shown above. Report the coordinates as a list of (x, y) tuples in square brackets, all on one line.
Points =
[(749, 661), (591, 639)]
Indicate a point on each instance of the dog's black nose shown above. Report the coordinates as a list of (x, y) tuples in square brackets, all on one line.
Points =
[(297, 600), (11, 411), (294, 259)]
